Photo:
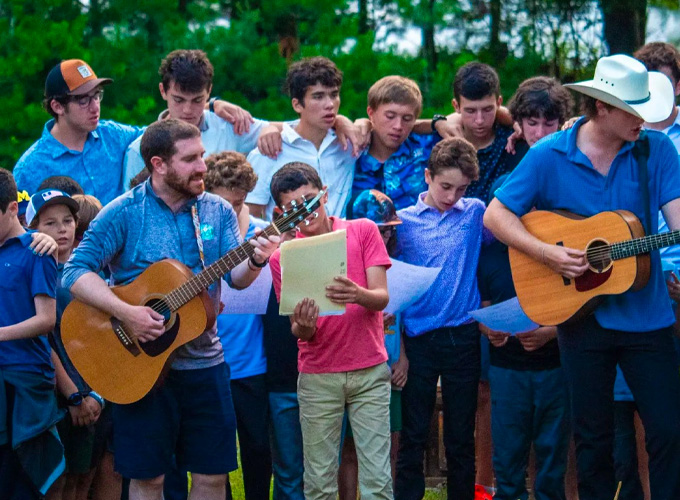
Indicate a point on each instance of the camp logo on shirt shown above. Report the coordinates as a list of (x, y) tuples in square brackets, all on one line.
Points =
[(207, 232)]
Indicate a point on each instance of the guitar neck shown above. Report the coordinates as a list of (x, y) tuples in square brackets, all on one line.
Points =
[(645, 244), (201, 281)]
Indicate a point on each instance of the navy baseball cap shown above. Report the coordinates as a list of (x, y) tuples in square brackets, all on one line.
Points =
[(46, 198), (72, 77), (376, 206)]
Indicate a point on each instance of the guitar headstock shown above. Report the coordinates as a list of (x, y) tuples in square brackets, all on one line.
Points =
[(297, 212)]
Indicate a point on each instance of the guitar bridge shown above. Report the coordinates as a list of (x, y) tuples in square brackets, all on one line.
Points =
[(123, 337)]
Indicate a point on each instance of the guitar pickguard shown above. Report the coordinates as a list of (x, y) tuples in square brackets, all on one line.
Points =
[(591, 280)]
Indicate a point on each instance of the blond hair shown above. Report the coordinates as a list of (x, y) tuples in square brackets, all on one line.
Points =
[(398, 90)]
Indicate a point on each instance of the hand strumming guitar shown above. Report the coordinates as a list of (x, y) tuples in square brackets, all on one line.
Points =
[(143, 322), (568, 262)]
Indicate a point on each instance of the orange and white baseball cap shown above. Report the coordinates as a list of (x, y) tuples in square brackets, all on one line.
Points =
[(72, 77)]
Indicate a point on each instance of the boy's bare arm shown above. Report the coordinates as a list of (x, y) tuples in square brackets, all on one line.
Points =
[(374, 297), (40, 324)]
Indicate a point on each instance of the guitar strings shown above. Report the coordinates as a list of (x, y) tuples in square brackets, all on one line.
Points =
[(162, 307)]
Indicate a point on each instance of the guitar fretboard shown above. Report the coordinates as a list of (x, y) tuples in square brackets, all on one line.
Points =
[(201, 281), (645, 244)]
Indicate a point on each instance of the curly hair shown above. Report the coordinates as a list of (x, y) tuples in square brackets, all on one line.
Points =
[(541, 97), (311, 71), (229, 170), (191, 70), (454, 152)]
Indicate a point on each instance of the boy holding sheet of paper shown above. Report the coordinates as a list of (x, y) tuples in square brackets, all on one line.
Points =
[(443, 229), (529, 400), (342, 359)]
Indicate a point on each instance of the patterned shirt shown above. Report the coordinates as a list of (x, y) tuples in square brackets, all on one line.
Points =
[(402, 175), (451, 240), (97, 168), (494, 161)]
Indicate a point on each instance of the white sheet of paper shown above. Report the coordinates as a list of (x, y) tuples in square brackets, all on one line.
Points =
[(505, 317), (308, 266), (406, 283), (251, 300)]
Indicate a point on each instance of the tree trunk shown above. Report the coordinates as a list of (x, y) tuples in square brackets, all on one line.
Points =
[(494, 38), (429, 47), (624, 24), (363, 17)]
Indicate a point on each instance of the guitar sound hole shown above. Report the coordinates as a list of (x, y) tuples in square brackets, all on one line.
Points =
[(161, 344), (599, 256)]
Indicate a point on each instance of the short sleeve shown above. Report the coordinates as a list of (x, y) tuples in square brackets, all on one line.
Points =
[(520, 190), (263, 167), (44, 276), (375, 253), (668, 170), (248, 141)]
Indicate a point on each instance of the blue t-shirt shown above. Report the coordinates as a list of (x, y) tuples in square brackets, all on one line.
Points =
[(402, 175), (242, 335), (24, 275), (555, 174), (98, 168)]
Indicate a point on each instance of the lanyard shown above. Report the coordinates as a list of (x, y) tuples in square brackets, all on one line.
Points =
[(197, 229)]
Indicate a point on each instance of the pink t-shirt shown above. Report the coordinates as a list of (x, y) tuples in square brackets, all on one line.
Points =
[(354, 340)]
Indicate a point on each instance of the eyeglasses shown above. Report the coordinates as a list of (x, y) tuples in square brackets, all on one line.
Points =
[(85, 100)]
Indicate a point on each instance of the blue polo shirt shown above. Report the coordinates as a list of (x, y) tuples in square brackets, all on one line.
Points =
[(451, 240), (24, 275), (98, 168), (402, 175), (555, 174)]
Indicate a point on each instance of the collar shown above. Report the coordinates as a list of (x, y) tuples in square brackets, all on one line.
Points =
[(149, 191), (676, 123), (421, 206), (24, 239), (57, 148), (566, 143), (290, 135), (369, 163), (202, 125)]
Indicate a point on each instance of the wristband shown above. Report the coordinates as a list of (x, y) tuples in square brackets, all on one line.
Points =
[(435, 119), (211, 105), (97, 398), (259, 266)]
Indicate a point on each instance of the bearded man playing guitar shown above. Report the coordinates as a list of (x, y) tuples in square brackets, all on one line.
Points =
[(189, 416), (594, 167)]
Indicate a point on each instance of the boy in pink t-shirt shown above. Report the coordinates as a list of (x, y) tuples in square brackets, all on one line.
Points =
[(342, 359)]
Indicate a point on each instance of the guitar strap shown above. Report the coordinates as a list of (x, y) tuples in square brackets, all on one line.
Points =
[(641, 154), (197, 229)]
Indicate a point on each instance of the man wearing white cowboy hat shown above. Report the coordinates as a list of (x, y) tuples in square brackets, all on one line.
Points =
[(587, 169)]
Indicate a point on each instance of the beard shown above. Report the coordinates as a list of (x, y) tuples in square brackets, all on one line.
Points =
[(182, 185)]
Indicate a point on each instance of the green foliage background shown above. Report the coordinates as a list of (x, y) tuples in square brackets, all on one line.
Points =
[(126, 40)]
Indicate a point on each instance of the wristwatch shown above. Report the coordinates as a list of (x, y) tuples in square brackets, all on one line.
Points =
[(435, 119), (75, 399), (211, 104)]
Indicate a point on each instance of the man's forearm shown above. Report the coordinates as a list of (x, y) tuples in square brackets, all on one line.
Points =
[(91, 289), (508, 228)]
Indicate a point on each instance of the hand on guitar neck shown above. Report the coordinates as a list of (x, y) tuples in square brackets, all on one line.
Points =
[(568, 262)]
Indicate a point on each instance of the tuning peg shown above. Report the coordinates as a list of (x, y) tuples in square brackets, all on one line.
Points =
[(293, 203)]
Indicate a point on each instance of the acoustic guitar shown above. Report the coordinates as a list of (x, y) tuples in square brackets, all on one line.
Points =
[(617, 252), (109, 357)]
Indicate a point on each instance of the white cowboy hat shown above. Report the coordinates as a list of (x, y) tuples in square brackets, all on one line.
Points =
[(626, 84)]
